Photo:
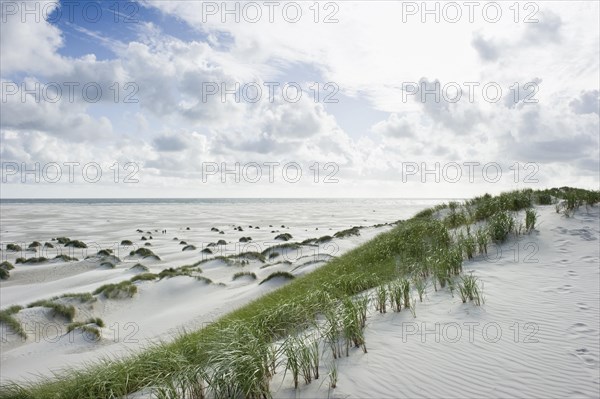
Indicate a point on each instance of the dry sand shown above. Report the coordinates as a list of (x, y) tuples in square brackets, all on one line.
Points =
[(536, 336), (161, 309)]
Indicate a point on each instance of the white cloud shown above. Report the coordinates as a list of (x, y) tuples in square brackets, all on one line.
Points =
[(31, 46), (369, 54)]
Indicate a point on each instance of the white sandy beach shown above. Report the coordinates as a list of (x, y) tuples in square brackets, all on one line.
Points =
[(537, 335), (161, 309)]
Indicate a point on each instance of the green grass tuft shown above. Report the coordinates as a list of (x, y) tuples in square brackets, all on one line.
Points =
[(500, 225), (124, 289), (13, 247), (138, 267), (65, 258), (63, 240), (33, 261), (97, 321), (7, 317), (171, 272), (279, 274), (144, 253), (204, 279), (278, 247), (250, 255), (82, 297), (283, 236), (66, 311), (354, 231), (6, 265), (530, 219), (244, 274), (470, 289), (144, 277), (76, 244)]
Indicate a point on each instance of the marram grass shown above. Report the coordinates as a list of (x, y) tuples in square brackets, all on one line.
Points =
[(7, 317)]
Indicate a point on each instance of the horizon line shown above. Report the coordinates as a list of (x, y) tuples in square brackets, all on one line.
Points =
[(227, 198)]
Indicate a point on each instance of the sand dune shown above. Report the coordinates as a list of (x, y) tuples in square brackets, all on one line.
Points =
[(160, 309), (537, 335)]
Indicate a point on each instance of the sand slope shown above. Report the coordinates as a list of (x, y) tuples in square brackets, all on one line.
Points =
[(160, 310), (537, 335)]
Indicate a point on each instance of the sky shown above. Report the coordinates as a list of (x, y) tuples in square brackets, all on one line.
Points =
[(297, 99)]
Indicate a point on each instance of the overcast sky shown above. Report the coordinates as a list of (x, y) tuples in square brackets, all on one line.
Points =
[(493, 95)]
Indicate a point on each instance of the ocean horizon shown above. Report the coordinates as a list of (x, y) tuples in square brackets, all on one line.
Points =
[(415, 200)]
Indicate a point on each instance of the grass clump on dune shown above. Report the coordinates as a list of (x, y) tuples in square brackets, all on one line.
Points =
[(244, 274), (96, 320), (88, 327), (7, 317), (190, 268), (65, 258), (33, 261), (323, 239), (225, 259), (138, 267), (144, 277), (279, 247), (240, 259), (82, 297), (13, 247), (144, 253), (251, 255), (572, 199), (470, 289), (354, 231), (284, 236), (6, 265), (124, 289), (4, 274), (530, 219), (171, 272), (63, 240), (76, 244), (105, 252), (66, 311), (544, 199), (4, 270), (320, 240), (279, 274), (500, 225)]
